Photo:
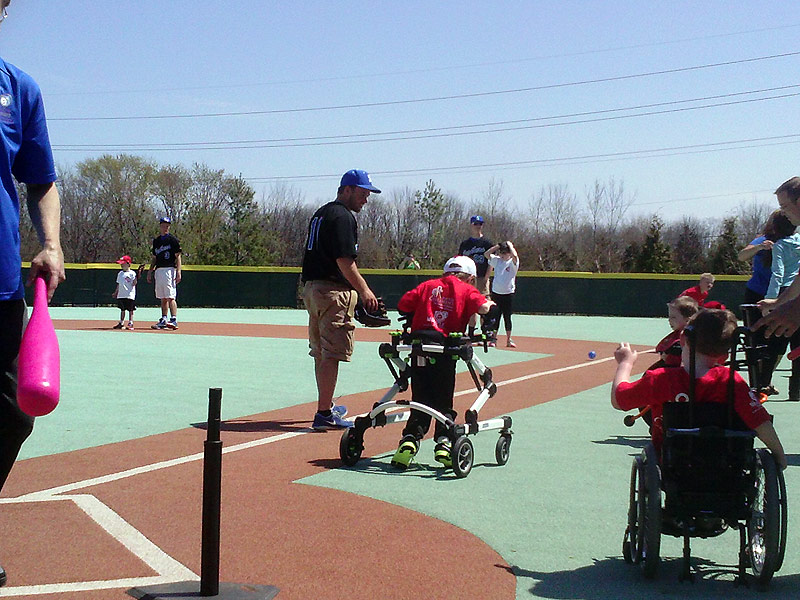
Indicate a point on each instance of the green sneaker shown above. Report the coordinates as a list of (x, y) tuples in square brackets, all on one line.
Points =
[(404, 455), (441, 454)]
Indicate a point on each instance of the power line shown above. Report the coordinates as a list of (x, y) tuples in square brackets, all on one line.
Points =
[(433, 98), (85, 93), (649, 153), (429, 133)]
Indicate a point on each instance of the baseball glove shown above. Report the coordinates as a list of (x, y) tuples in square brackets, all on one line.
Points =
[(376, 319)]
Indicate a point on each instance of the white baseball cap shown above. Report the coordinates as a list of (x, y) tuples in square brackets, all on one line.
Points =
[(461, 264)]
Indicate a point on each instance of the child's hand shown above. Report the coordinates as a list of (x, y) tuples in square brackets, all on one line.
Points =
[(624, 353)]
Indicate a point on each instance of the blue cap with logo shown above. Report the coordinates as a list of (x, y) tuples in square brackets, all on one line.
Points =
[(476, 219), (165, 219), (358, 178)]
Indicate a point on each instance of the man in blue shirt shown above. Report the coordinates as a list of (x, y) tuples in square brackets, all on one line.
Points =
[(25, 154)]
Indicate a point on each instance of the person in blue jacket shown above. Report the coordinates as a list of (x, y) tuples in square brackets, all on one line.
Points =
[(27, 157)]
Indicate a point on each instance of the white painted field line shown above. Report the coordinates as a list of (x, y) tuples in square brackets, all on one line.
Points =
[(541, 374), (130, 537), (70, 487)]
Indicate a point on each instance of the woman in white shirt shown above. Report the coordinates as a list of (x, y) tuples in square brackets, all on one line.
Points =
[(505, 261)]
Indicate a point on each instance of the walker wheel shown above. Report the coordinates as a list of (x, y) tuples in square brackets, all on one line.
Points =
[(462, 455), (502, 449), (350, 447)]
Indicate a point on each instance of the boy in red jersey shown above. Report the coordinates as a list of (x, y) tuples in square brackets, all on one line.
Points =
[(440, 307), (714, 335), (679, 311)]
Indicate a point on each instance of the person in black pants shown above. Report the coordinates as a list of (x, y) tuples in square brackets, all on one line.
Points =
[(27, 156)]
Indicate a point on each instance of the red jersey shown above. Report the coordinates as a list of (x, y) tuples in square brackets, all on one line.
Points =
[(696, 293), (672, 385), (444, 304)]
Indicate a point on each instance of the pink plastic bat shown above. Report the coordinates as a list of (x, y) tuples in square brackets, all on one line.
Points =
[(39, 367), (793, 354)]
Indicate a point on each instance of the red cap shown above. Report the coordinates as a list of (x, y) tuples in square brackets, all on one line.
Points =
[(124, 259)]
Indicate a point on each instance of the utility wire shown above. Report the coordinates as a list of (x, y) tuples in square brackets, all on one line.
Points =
[(430, 69), (424, 133), (650, 153), (433, 98)]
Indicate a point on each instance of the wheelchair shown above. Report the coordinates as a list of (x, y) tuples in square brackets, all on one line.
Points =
[(711, 479), (405, 347)]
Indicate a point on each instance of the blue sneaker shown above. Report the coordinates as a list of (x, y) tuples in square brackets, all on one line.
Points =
[(334, 421), (339, 409)]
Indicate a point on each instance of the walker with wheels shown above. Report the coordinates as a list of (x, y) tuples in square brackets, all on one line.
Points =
[(458, 346)]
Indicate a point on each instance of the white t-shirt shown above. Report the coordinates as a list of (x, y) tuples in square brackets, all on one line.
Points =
[(505, 274), (125, 288)]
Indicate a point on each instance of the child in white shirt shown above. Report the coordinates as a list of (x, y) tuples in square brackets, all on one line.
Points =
[(125, 292)]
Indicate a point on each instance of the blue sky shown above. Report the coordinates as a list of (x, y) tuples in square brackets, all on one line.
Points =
[(443, 67)]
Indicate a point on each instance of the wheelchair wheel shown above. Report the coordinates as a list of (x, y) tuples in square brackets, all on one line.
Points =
[(764, 524), (784, 520), (502, 448), (350, 447), (629, 540), (649, 513), (629, 545), (462, 455)]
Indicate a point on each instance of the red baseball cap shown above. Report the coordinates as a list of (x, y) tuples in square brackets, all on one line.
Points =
[(124, 259)]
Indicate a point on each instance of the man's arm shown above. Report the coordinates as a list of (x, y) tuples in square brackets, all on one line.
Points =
[(350, 271), (44, 207), (178, 264), (784, 319)]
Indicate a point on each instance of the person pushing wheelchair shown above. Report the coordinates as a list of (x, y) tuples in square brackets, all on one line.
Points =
[(438, 307)]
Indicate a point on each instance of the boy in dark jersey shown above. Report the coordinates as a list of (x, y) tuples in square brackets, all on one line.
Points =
[(167, 265), (439, 306), (714, 334), (474, 247)]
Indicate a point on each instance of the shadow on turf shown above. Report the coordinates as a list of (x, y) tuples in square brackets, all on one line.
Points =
[(249, 426), (381, 466), (613, 578), (625, 440)]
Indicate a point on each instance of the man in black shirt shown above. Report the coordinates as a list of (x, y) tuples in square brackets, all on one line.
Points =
[(167, 265), (474, 247), (332, 286)]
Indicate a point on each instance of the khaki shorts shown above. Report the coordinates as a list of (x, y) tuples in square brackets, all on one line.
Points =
[(482, 283), (330, 309)]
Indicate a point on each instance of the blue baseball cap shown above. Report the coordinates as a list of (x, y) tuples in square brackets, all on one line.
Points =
[(165, 220), (476, 219), (358, 178)]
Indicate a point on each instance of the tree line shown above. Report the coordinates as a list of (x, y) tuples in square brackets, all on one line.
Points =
[(111, 205)]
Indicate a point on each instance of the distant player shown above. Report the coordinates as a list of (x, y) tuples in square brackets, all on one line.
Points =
[(167, 265)]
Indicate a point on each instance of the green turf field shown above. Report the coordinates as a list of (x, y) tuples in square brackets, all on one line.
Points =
[(556, 512)]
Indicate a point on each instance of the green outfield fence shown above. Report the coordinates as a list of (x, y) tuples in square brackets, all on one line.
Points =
[(613, 294)]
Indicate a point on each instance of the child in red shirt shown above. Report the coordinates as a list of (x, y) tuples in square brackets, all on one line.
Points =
[(679, 312), (440, 306), (714, 335)]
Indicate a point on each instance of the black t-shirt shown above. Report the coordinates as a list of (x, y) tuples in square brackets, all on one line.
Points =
[(474, 248), (165, 249), (332, 234)]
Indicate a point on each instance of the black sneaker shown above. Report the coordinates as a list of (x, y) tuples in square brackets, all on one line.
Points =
[(118, 325), (3, 578)]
